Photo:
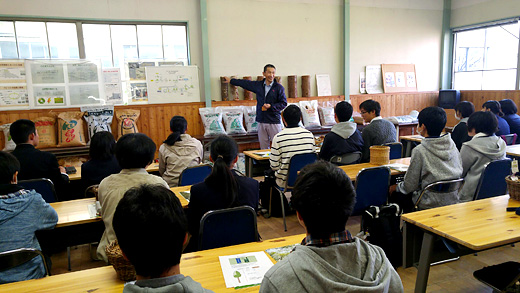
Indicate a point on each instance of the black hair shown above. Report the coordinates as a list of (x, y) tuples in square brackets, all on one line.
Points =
[(8, 166), (508, 107), (178, 126), (21, 129), (292, 115), (434, 119), (223, 152), (150, 227), (343, 111), (135, 150), (483, 121), (102, 146), (371, 105), (268, 66), (324, 197), (465, 108), (494, 106)]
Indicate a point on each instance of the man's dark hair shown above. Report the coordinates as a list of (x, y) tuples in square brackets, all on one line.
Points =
[(483, 121), (371, 105), (494, 107), (8, 166), (508, 107), (150, 227), (21, 129), (102, 146), (343, 111), (292, 115), (268, 66), (135, 150), (434, 119), (465, 108), (324, 197)]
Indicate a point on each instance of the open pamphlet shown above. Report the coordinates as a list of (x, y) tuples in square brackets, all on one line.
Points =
[(94, 210), (279, 253), (186, 194), (263, 154), (398, 167), (244, 270)]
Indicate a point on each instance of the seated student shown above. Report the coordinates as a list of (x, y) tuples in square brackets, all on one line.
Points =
[(151, 229), (436, 158), (34, 163), (494, 107), (103, 162), (290, 141), (22, 212), (513, 120), (223, 188), (379, 131), (178, 152), (344, 137), (482, 149), (134, 151), (460, 131), (329, 259)]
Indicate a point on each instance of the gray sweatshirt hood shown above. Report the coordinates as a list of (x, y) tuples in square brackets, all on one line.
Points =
[(440, 146), (344, 129), (489, 146)]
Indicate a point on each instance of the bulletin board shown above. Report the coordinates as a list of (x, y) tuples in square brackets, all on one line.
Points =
[(399, 78)]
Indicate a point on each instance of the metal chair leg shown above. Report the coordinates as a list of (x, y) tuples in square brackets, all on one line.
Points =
[(282, 194), (68, 257)]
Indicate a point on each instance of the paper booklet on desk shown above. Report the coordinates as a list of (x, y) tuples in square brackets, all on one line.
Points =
[(398, 167), (186, 195), (94, 210), (244, 270), (279, 253), (263, 154)]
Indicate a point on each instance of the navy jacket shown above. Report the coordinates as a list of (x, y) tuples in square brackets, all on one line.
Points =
[(276, 97), (503, 127), (93, 171), (334, 145), (514, 124)]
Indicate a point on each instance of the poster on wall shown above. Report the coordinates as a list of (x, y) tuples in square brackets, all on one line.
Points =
[(14, 96), (374, 79), (136, 70), (49, 95), (113, 85), (12, 71), (396, 80), (44, 72), (389, 79), (173, 84), (323, 85), (362, 83)]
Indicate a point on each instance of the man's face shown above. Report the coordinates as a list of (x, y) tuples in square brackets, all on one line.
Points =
[(367, 116), (269, 74)]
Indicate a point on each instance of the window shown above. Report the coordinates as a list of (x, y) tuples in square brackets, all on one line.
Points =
[(486, 58)]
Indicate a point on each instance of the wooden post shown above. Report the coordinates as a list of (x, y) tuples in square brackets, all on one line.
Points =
[(306, 86), (247, 94), (292, 88), (234, 90), (224, 88)]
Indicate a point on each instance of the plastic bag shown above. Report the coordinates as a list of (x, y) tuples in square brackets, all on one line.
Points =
[(71, 131), (46, 127), (327, 116), (127, 121), (250, 119), (9, 143), (310, 113), (212, 121), (98, 118), (233, 119)]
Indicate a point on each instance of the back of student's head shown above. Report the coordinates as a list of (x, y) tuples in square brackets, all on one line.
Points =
[(508, 107), (21, 129), (292, 115), (483, 121), (102, 146), (178, 126), (434, 119), (223, 152), (9, 165), (343, 111), (493, 106), (150, 227), (371, 105), (135, 150), (465, 108), (324, 197)]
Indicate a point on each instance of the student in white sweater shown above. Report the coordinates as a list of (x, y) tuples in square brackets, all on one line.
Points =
[(290, 141)]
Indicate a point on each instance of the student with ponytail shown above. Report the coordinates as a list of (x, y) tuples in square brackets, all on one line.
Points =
[(178, 152), (223, 188)]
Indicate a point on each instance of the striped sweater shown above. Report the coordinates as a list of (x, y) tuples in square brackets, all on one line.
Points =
[(289, 142)]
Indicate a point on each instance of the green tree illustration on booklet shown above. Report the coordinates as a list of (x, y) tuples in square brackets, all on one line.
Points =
[(237, 275)]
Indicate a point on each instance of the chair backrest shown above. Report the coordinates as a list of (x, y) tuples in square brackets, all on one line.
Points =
[(346, 159), (194, 175), (43, 186), (371, 188), (510, 139), (492, 182), (396, 150), (13, 258), (442, 186), (227, 227), (296, 163)]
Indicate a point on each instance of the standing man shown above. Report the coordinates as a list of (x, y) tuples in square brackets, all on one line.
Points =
[(270, 101)]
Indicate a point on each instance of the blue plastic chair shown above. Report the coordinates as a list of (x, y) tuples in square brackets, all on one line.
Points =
[(371, 188), (493, 180), (43, 186), (194, 175), (396, 150), (219, 228)]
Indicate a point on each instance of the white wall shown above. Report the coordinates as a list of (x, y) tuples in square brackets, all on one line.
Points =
[(467, 12)]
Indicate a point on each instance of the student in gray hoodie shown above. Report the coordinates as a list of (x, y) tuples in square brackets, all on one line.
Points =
[(482, 149), (329, 259), (344, 137), (435, 159)]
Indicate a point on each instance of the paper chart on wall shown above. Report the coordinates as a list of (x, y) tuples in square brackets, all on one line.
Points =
[(410, 79), (323, 84), (12, 72), (399, 79), (14, 96), (173, 84), (374, 79), (113, 85), (244, 269)]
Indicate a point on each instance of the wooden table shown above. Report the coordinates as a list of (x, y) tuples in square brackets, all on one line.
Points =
[(250, 157), (408, 139), (153, 167), (353, 170), (177, 190), (477, 225), (513, 150), (202, 266)]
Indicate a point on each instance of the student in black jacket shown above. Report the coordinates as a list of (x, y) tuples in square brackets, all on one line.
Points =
[(344, 137), (460, 132)]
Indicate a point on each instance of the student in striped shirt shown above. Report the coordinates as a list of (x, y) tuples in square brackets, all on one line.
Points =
[(290, 141)]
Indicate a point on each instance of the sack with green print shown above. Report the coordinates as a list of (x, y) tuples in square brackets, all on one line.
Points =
[(9, 144), (71, 131), (250, 119), (212, 122), (233, 119)]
